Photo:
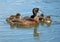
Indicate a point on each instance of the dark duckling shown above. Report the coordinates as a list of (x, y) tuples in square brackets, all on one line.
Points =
[(41, 17), (14, 18)]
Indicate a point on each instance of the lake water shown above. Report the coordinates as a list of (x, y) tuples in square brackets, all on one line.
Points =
[(39, 33)]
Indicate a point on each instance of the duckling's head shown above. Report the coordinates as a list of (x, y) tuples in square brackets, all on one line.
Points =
[(35, 10), (42, 15), (18, 15), (48, 19)]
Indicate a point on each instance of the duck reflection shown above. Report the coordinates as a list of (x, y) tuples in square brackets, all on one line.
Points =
[(36, 34), (35, 31), (48, 24), (21, 26), (42, 23)]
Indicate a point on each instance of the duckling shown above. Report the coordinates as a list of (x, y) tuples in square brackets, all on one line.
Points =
[(14, 18), (17, 17), (48, 19), (10, 19), (41, 17)]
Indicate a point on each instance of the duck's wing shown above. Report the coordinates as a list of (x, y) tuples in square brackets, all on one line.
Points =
[(28, 18)]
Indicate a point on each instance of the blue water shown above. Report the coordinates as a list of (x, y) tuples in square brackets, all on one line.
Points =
[(40, 33)]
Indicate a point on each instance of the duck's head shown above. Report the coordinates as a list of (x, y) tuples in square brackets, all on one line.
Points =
[(35, 11)]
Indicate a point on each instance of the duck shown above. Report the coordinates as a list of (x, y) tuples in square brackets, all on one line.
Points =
[(48, 19), (32, 20), (41, 17), (34, 11), (28, 22)]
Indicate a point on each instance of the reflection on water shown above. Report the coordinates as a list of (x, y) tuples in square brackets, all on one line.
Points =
[(48, 24), (29, 26), (35, 33), (43, 23)]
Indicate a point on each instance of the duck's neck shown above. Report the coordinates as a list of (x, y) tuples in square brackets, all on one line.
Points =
[(33, 16)]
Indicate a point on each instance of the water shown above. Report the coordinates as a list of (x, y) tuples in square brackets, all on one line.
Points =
[(39, 33)]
